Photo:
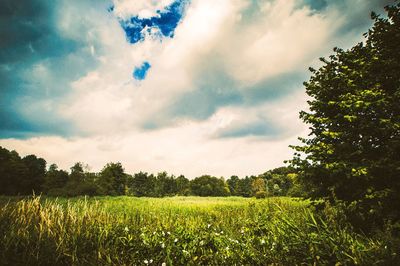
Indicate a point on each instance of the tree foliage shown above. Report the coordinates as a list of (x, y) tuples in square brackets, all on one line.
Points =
[(353, 151), (112, 180), (207, 185), (22, 176)]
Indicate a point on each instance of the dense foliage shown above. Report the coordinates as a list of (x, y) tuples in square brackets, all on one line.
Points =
[(352, 156), (182, 231), (24, 176), (20, 175)]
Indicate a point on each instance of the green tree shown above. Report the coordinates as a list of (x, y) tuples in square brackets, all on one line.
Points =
[(112, 180), (243, 187), (207, 185), (233, 183), (80, 182), (34, 177), (12, 172), (182, 185), (55, 180), (258, 185), (352, 154), (142, 185)]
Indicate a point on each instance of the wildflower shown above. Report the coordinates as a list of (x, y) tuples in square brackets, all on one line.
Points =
[(222, 232), (262, 241), (146, 262), (126, 229), (163, 264), (208, 225), (217, 234), (162, 245), (151, 261), (168, 232), (176, 240), (242, 231)]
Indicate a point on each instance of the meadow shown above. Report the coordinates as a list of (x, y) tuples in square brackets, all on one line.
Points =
[(181, 231)]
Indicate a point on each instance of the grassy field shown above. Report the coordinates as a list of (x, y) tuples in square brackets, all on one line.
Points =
[(180, 231)]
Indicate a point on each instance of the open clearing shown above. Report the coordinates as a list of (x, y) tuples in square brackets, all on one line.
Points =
[(177, 231)]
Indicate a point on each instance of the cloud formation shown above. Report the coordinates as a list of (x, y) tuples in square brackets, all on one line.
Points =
[(191, 87)]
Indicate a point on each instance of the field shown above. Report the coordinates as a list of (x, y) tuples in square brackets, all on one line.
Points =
[(179, 231)]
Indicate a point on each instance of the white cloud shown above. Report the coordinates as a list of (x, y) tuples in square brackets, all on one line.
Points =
[(215, 36), (183, 150), (143, 8)]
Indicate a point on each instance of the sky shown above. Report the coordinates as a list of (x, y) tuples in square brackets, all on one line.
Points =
[(185, 86)]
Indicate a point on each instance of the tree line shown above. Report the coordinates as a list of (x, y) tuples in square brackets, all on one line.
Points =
[(29, 174)]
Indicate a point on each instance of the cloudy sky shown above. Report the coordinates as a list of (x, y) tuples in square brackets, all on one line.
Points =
[(187, 86)]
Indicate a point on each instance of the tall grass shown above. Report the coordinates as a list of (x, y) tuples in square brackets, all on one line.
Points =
[(180, 231)]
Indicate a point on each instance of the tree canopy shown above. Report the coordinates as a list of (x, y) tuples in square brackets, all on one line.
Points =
[(23, 176), (352, 154)]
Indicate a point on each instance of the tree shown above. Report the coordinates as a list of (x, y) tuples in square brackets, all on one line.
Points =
[(34, 176), (258, 185), (233, 183), (80, 182), (20, 176), (352, 154), (12, 172), (142, 185), (112, 180), (55, 180), (182, 184), (207, 185), (243, 187)]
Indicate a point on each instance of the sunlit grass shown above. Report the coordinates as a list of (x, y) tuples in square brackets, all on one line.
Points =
[(177, 231)]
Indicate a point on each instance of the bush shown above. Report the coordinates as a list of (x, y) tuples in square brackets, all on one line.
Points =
[(261, 194)]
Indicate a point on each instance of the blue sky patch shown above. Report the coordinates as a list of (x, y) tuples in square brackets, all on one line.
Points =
[(140, 73), (165, 23)]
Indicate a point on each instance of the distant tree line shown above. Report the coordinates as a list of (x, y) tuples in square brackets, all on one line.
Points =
[(27, 175)]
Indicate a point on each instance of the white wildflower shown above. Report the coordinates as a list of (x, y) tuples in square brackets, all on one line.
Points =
[(146, 262), (126, 229), (262, 241), (176, 240), (163, 264), (162, 245)]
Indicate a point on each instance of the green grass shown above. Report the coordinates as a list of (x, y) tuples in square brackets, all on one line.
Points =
[(179, 231)]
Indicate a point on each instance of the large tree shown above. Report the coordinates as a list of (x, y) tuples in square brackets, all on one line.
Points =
[(352, 154), (55, 180), (112, 179), (207, 185)]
